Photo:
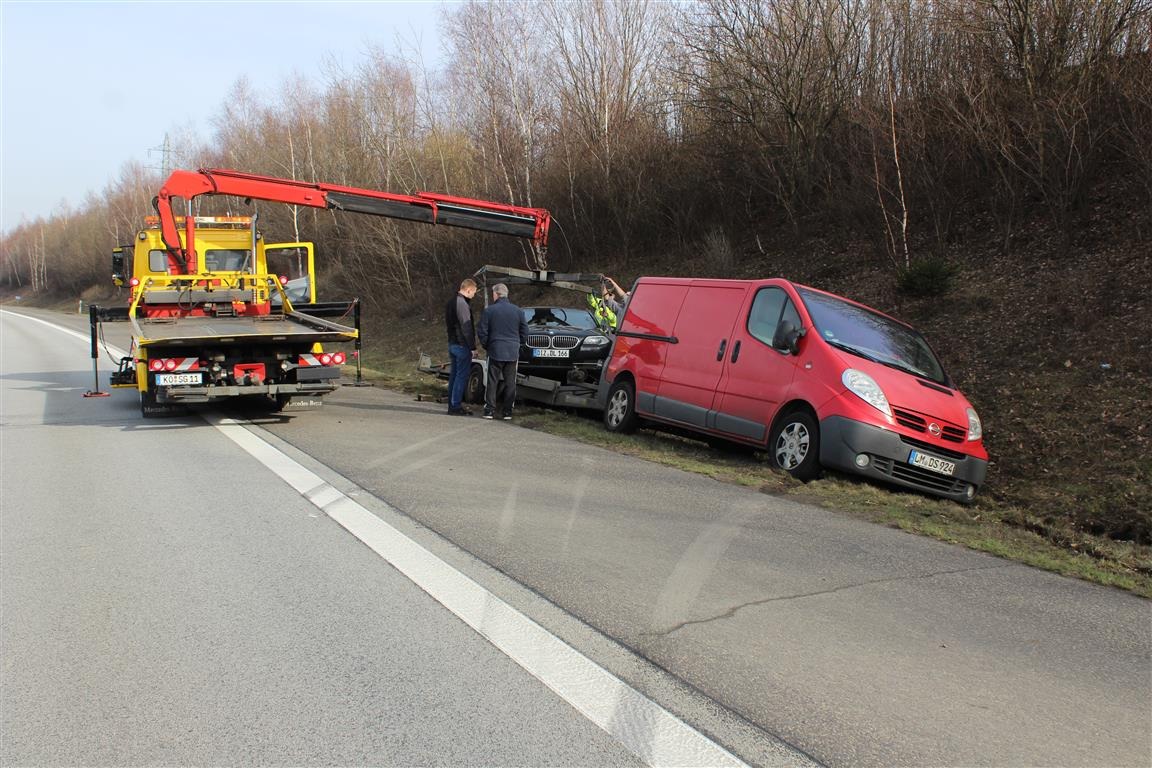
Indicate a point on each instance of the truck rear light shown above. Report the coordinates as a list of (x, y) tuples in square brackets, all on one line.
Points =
[(320, 358), (174, 364), (134, 282)]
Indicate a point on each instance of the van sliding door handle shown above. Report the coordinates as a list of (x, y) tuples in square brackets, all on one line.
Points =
[(735, 350), (720, 354)]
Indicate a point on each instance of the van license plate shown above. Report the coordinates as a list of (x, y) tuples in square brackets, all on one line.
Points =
[(931, 463), (549, 353), (175, 379)]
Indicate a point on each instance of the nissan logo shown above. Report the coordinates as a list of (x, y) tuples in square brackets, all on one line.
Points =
[(934, 429)]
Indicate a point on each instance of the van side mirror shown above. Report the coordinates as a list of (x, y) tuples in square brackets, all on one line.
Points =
[(787, 338)]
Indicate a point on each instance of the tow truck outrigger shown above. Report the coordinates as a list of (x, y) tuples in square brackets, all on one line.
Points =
[(211, 319)]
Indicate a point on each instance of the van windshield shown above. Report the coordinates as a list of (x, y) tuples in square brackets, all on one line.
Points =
[(870, 335)]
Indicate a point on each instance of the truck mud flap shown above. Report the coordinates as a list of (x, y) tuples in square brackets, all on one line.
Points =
[(152, 407)]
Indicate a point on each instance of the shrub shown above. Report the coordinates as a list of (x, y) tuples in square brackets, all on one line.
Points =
[(926, 277)]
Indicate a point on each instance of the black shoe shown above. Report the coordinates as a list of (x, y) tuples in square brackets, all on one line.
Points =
[(458, 412), (507, 415), (489, 414)]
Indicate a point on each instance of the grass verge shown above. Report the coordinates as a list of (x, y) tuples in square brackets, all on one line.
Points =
[(1001, 530)]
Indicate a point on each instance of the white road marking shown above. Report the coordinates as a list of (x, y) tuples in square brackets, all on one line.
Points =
[(641, 725), (83, 337)]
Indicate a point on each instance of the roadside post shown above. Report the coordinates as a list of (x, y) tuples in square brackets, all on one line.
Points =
[(93, 321)]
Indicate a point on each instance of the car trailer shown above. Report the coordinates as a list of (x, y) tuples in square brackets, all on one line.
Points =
[(537, 389)]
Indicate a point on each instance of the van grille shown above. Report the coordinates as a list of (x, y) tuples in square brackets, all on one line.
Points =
[(918, 423), (542, 341)]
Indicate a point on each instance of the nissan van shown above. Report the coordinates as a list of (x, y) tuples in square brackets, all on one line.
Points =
[(813, 379)]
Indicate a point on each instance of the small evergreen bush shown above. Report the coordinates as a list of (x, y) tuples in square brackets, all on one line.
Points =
[(931, 276)]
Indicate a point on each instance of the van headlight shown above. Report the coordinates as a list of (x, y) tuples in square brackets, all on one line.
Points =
[(975, 430), (865, 387), (594, 341)]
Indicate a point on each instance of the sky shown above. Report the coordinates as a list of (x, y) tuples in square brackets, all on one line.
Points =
[(88, 87)]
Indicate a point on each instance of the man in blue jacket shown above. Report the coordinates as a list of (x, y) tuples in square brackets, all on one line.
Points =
[(502, 330)]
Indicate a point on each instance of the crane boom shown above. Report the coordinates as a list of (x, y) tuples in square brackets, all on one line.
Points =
[(426, 207)]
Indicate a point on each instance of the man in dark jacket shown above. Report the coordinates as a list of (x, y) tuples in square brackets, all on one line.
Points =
[(461, 345), (502, 331)]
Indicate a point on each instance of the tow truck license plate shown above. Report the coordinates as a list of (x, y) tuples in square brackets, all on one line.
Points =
[(172, 379), (549, 353), (931, 463)]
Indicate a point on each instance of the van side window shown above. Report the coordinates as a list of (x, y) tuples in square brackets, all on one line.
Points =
[(765, 313), (791, 315), (764, 316)]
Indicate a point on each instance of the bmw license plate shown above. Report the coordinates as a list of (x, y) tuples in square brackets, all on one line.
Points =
[(549, 353), (175, 379), (931, 463)]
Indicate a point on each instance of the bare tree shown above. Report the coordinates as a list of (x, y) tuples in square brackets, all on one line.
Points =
[(776, 76), (497, 55), (1034, 97), (608, 65)]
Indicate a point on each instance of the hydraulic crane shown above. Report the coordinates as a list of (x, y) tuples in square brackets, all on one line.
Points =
[(426, 207)]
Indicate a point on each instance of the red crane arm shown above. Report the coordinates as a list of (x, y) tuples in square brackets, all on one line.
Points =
[(430, 208)]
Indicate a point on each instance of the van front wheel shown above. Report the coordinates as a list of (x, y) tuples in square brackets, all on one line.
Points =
[(795, 445), (620, 413)]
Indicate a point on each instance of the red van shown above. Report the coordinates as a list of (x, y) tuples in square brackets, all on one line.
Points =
[(814, 379)]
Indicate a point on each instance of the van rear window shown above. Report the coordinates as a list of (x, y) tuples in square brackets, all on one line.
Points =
[(872, 336)]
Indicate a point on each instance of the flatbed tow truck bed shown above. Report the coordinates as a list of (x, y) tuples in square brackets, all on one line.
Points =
[(295, 327)]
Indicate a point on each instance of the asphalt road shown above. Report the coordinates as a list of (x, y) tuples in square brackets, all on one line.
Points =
[(759, 621), (166, 600)]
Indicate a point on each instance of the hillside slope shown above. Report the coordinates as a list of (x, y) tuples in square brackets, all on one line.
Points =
[(1052, 342)]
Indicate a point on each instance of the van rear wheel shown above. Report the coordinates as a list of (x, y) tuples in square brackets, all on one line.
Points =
[(795, 445), (620, 412)]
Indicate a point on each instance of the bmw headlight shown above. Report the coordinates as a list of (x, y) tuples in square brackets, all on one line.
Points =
[(595, 341), (865, 387), (975, 430)]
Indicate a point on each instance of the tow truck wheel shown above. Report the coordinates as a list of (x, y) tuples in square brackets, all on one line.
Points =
[(474, 389), (795, 445), (620, 413)]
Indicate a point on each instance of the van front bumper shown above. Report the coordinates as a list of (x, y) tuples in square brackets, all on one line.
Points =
[(843, 441)]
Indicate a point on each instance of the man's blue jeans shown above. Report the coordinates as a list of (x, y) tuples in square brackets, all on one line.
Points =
[(458, 378)]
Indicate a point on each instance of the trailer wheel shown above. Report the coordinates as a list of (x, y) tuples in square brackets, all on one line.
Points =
[(620, 412), (474, 389), (795, 445)]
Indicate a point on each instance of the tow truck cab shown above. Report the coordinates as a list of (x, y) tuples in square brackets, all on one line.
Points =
[(230, 251)]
